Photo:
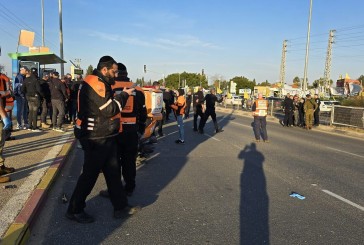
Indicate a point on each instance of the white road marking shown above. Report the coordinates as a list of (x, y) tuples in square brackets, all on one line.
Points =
[(248, 126), (11, 209), (149, 158), (212, 137), (344, 200), (173, 132), (353, 154)]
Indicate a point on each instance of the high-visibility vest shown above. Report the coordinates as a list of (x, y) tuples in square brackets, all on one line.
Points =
[(5, 92), (129, 114), (261, 107)]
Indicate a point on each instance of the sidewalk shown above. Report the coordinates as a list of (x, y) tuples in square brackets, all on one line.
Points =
[(352, 132), (37, 158)]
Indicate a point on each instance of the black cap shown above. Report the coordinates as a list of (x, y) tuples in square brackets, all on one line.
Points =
[(156, 83), (121, 67), (56, 74)]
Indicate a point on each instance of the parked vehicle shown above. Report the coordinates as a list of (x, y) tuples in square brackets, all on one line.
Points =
[(326, 106), (235, 100)]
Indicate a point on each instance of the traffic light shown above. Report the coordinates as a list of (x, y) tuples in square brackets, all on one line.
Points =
[(145, 68)]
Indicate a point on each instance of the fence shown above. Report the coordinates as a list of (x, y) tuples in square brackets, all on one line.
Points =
[(347, 116)]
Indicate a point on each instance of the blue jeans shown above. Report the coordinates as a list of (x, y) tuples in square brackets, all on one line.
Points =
[(22, 110), (181, 128)]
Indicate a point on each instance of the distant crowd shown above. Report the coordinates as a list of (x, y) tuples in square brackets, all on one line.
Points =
[(49, 96)]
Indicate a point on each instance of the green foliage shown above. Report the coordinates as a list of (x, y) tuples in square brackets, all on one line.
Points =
[(266, 83), (243, 82), (297, 81), (176, 80), (361, 79), (90, 69), (357, 101)]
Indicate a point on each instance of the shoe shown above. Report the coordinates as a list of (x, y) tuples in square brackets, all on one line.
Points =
[(25, 126), (104, 193), (44, 125), (36, 130), (60, 130), (19, 127), (4, 179), (180, 141), (126, 212), (219, 130), (6, 170), (200, 131), (82, 217), (160, 134)]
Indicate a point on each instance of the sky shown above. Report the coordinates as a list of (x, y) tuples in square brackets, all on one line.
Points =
[(225, 38)]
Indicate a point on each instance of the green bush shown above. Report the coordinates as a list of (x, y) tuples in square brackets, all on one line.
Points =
[(354, 101)]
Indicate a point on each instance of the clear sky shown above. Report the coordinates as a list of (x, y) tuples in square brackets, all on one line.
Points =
[(225, 38)]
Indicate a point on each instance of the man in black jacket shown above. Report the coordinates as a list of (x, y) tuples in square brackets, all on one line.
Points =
[(33, 93), (97, 128), (210, 100), (198, 107), (288, 111), (46, 100), (58, 99), (316, 114)]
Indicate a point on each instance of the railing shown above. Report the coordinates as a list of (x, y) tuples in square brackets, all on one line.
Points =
[(347, 116)]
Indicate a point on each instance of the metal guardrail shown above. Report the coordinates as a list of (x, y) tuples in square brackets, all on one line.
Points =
[(347, 116)]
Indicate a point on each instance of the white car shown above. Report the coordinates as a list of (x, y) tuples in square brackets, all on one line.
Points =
[(326, 106), (235, 100)]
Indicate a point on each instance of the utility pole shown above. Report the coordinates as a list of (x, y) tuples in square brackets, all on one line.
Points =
[(61, 35), (307, 49), (42, 23), (282, 73), (328, 60)]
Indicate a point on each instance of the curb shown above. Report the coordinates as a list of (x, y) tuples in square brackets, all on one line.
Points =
[(19, 230)]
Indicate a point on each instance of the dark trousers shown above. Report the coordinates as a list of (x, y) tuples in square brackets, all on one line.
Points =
[(99, 155), (168, 111), (73, 110), (288, 118), (33, 104), (197, 112), (187, 110), (45, 111), (203, 120), (58, 109), (128, 152), (316, 117), (302, 118), (260, 127)]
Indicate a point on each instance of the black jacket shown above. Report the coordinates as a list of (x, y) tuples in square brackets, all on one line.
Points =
[(211, 99), (31, 87), (197, 96), (98, 107), (58, 89), (44, 86), (288, 104)]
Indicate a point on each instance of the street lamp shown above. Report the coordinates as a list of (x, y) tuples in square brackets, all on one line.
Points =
[(307, 49)]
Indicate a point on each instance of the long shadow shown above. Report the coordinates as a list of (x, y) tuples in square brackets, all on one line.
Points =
[(254, 202), (151, 180)]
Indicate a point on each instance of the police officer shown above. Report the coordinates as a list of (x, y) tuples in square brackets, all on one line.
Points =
[(97, 129), (133, 118), (260, 108), (210, 99), (316, 114), (309, 107)]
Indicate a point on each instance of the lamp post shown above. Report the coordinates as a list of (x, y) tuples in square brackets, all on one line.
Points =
[(61, 35), (307, 49)]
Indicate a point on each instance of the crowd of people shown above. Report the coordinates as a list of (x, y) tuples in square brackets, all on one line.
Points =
[(48, 96), (301, 112)]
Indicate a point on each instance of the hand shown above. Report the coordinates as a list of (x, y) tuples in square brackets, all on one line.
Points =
[(129, 91), (7, 123)]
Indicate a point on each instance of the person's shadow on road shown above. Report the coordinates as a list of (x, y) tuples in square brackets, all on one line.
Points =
[(254, 202)]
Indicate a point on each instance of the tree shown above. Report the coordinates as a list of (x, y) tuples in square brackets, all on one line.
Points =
[(243, 82), (297, 81), (266, 83), (361, 79), (177, 80), (90, 69)]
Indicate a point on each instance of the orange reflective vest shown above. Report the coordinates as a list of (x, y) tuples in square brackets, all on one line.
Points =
[(261, 107), (5, 92), (129, 114)]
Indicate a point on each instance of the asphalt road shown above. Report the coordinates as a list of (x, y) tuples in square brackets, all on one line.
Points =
[(226, 189)]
